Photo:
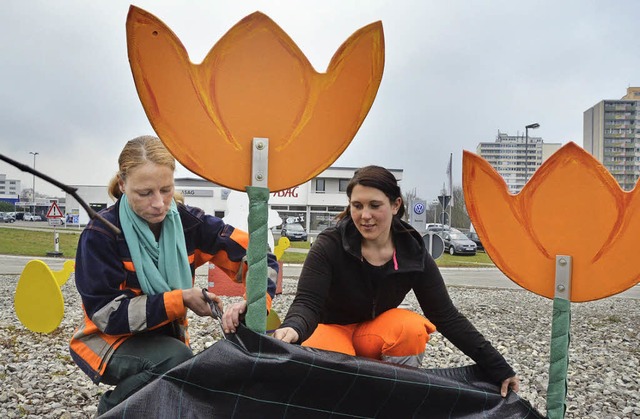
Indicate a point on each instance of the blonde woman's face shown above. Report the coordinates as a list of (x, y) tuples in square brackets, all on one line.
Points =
[(149, 190)]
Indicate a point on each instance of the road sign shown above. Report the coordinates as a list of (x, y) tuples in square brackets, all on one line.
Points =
[(55, 221), (434, 243), (54, 211), (444, 200)]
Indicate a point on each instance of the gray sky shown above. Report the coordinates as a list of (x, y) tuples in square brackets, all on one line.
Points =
[(455, 73)]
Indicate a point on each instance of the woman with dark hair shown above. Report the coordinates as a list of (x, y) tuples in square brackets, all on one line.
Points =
[(136, 286), (358, 273)]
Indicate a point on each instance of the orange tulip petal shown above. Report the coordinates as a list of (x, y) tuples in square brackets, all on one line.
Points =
[(571, 206), (497, 217), (253, 76), (344, 96), (613, 266), (255, 82)]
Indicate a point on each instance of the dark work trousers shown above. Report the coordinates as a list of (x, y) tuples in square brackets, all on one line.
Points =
[(137, 362)]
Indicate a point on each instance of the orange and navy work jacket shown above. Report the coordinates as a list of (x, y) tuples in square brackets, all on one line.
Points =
[(113, 304)]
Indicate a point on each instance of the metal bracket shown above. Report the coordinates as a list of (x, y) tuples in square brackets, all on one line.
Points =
[(563, 277), (260, 162)]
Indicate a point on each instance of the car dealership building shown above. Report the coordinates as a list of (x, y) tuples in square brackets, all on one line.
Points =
[(313, 204)]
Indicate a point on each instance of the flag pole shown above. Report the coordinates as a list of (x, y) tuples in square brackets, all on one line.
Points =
[(450, 173)]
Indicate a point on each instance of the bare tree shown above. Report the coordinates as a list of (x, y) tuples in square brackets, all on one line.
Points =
[(408, 198), (459, 216)]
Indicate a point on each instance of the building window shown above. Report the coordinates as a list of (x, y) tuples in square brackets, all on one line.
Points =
[(320, 185), (342, 184)]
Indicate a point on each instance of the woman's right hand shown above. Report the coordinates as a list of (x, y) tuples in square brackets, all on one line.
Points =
[(193, 300), (286, 334)]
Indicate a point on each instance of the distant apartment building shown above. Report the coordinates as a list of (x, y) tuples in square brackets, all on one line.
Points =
[(9, 189), (612, 136), (515, 158)]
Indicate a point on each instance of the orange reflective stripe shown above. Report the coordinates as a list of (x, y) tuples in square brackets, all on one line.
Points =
[(92, 345), (200, 258), (269, 300), (241, 237), (174, 305), (129, 266)]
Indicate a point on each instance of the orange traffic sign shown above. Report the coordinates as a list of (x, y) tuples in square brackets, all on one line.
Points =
[(54, 211)]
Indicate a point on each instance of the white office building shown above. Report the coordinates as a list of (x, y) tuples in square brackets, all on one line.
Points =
[(516, 157), (9, 189)]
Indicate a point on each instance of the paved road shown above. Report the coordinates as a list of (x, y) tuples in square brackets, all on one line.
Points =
[(475, 277), (463, 277)]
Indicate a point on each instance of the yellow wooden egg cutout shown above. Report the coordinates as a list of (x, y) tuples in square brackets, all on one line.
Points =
[(38, 300)]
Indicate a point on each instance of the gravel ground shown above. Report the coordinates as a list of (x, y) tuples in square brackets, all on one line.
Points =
[(39, 380)]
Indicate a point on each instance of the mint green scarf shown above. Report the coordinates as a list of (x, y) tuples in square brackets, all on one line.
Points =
[(160, 266)]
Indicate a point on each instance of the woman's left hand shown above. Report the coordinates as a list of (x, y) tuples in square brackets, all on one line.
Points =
[(513, 382), (231, 316)]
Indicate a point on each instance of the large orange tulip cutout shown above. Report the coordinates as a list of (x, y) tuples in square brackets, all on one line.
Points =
[(255, 82), (571, 206), (254, 115)]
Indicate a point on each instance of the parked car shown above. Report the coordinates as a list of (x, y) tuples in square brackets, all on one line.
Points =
[(31, 217), (19, 215), (457, 243), (5, 217), (473, 236), (437, 227), (293, 232)]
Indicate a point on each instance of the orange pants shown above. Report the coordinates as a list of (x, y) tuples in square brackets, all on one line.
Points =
[(395, 333)]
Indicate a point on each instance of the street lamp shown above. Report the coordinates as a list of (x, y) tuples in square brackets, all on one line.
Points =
[(33, 189), (526, 149)]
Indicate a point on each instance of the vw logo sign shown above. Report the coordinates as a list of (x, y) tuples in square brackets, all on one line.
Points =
[(418, 208)]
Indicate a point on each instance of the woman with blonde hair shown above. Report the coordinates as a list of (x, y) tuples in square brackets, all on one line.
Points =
[(136, 287)]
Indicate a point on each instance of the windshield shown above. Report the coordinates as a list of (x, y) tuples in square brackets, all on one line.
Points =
[(458, 236), (295, 227)]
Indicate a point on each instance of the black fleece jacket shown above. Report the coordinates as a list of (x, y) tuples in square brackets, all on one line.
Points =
[(334, 288)]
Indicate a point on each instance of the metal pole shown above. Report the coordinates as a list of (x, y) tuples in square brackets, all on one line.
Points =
[(33, 188), (526, 149), (526, 155)]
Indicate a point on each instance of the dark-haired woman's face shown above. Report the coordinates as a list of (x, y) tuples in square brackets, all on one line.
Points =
[(372, 212)]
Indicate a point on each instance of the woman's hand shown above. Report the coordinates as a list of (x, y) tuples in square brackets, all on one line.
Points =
[(231, 316), (513, 382), (194, 300), (286, 334)]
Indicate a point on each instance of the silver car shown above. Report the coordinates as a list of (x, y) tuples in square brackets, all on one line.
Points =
[(6, 217), (456, 243), (31, 217)]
